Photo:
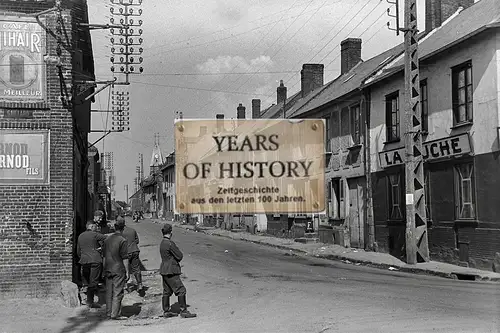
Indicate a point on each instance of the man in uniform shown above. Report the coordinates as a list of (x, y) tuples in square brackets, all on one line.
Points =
[(87, 247), (170, 271), (133, 252), (115, 270)]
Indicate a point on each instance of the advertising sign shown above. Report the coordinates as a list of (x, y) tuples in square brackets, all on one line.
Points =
[(24, 157), (250, 166), (22, 48), (445, 147)]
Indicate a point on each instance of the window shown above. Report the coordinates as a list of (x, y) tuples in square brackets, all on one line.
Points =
[(462, 93), (395, 191), (424, 102), (355, 124), (392, 116), (337, 199), (16, 69), (350, 124), (427, 182), (465, 198), (328, 135)]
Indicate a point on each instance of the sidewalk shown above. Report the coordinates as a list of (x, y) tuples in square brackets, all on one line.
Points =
[(353, 256)]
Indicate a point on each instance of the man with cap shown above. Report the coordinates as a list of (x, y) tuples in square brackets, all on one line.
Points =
[(170, 271), (133, 252), (87, 249), (115, 251)]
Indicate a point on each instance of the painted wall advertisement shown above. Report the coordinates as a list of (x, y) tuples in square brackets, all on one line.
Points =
[(24, 157), (250, 166), (22, 50)]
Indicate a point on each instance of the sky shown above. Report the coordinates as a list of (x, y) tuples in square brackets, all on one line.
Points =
[(206, 59)]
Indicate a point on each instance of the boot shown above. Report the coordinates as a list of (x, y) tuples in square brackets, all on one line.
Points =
[(167, 311), (138, 279), (90, 299), (184, 311)]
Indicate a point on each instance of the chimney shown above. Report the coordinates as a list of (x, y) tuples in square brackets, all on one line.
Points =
[(311, 77), (438, 11), (280, 93), (240, 112), (350, 54), (256, 108), (220, 122)]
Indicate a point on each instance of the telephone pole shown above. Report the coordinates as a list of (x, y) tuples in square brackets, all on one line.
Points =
[(126, 191), (417, 249)]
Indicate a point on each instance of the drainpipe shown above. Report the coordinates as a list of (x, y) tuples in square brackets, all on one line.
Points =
[(368, 206)]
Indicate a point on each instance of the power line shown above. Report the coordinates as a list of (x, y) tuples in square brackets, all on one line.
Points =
[(192, 88), (268, 32), (228, 37), (286, 43), (220, 73), (373, 9), (229, 28)]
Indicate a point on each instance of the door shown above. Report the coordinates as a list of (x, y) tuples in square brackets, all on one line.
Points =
[(356, 212)]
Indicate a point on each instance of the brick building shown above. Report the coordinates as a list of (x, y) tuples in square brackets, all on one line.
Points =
[(44, 121)]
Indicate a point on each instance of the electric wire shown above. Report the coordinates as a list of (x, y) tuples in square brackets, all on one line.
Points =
[(268, 32), (286, 43)]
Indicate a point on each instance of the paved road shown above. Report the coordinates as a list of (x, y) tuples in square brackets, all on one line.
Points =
[(237, 286), (243, 287)]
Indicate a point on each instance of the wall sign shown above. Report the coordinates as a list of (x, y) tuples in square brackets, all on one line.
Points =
[(436, 149), (22, 48), (24, 157), (250, 166), (18, 113)]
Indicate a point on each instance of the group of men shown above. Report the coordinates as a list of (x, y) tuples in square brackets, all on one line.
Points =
[(113, 253)]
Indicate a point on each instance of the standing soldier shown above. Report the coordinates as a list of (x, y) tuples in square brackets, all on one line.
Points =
[(133, 252), (115, 269), (87, 249), (170, 271)]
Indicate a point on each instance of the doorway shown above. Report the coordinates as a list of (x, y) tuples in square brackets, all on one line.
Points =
[(356, 211)]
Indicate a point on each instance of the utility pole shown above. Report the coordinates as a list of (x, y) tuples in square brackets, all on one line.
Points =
[(126, 191), (417, 248)]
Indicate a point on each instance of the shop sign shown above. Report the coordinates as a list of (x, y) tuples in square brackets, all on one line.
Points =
[(17, 113), (240, 166), (24, 157), (432, 150), (22, 50)]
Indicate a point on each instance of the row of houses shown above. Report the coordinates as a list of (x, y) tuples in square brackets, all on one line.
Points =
[(364, 113)]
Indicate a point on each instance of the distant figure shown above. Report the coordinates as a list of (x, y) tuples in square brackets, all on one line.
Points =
[(133, 252), (170, 271), (87, 249), (115, 269), (100, 222)]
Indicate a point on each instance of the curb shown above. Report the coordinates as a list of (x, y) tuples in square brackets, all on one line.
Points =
[(333, 257)]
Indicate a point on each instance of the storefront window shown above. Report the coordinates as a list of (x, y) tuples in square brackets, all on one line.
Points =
[(465, 191), (395, 194), (424, 102), (337, 199), (427, 182)]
